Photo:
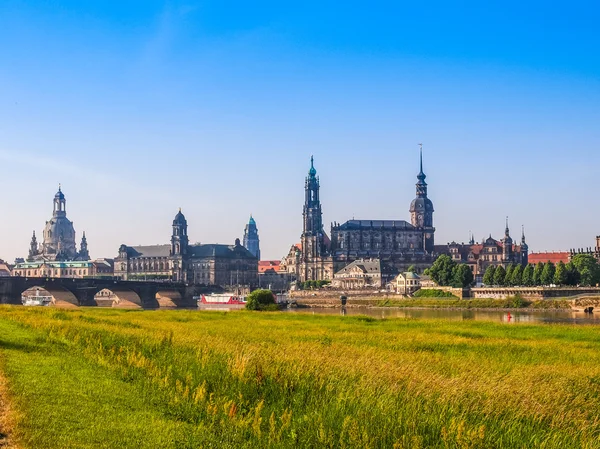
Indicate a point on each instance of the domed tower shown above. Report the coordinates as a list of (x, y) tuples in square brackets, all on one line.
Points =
[(421, 209), (507, 245), (251, 240), (59, 233), (179, 248), (179, 238)]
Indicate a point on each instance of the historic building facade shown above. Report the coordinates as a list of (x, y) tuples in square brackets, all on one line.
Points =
[(479, 256), (396, 243), (59, 237), (251, 240), (179, 261)]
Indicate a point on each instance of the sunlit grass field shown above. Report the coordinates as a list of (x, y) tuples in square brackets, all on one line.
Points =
[(187, 379)]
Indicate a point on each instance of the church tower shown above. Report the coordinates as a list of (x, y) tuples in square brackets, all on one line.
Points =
[(251, 240), (524, 249), (507, 245), (312, 232), (421, 210), (179, 247), (84, 254), (33, 248), (179, 238)]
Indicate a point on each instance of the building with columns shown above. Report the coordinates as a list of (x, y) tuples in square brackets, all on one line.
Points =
[(396, 243), (180, 261)]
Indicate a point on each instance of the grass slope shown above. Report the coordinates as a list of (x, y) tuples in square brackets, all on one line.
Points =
[(106, 378)]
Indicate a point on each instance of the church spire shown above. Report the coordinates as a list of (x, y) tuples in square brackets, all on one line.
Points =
[(507, 230), (33, 248)]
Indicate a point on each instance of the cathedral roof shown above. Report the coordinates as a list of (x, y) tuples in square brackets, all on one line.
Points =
[(368, 224)]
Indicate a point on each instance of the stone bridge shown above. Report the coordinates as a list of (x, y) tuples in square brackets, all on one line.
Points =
[(82, 292)]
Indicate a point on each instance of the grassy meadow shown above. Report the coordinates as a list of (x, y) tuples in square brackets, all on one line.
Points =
[(103, 378)]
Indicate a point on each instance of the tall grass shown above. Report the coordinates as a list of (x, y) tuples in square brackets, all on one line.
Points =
[(275, 380)]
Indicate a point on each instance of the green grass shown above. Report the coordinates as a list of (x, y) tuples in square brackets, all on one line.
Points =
[(178, 379)]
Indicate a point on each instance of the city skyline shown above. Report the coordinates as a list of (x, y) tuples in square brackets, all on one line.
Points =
[(141, 108)]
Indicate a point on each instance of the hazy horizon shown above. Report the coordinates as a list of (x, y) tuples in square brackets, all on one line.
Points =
[(139, 108)]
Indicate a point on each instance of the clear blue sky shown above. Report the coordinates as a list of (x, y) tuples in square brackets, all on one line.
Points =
[(141, 107)]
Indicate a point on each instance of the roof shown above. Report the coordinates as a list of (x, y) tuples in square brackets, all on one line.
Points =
[(408, 275), (361, 224), (54, 264), (365, 265), (218, 250), (554, 257), (266, 265), (149, 251)]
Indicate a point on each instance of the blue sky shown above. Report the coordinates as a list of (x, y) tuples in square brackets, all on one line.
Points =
[(141, 107)]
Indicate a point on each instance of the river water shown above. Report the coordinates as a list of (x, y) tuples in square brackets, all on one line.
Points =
[(525, 316), (512, 317)]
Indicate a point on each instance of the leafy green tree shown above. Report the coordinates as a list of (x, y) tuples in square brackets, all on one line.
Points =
[(441, 271), (499, 276), (573, 277), (547, 277), (561, 275), (412, 269), (488, 277), (261, 300), (508, 275), (517, 276), (462, 276), (588, 269), (537, 274), (527, 276)]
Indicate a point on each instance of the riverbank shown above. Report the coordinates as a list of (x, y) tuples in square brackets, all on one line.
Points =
[(107, 378)]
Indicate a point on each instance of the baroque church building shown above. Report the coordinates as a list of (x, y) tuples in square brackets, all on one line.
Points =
[(397, 244), (59, 237), (180, 261)]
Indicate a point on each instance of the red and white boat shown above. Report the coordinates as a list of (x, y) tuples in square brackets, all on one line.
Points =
[(221, 298)]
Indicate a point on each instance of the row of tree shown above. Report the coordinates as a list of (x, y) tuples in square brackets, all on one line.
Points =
[(582, 270), (448, 273)]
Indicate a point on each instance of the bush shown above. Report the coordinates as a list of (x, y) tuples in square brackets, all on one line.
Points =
[(261, 300), (432, 293)]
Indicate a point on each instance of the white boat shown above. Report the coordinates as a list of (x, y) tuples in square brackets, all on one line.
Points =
[(37, 300)]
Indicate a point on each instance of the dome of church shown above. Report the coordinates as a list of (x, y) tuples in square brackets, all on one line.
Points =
[(59, 195), (421, 205), (251, 221), (179, 219), (313, 171)]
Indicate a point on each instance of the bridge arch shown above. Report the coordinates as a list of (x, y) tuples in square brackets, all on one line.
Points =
[(118, 297), (49, 295), (168, 299)]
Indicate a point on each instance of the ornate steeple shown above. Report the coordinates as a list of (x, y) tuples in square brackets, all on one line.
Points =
[(60, 204), (421, 184), (83, 249), (33, 248), (421, 208), (179, 238), (507, 244), (312, 231)]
